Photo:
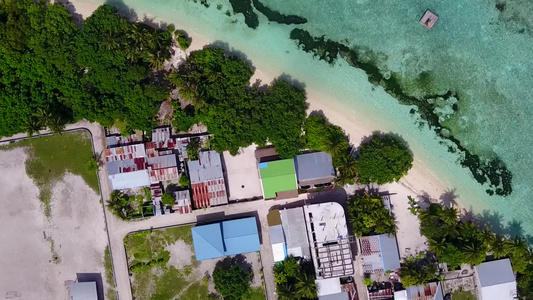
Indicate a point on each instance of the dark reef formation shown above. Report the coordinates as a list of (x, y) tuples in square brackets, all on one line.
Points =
[(246, 7), (494, 172)]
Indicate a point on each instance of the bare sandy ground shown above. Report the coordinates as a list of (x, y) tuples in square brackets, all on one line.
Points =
[(38, 256), (243, 175)]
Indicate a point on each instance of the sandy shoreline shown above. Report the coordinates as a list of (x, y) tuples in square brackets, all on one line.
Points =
[(419, 183)]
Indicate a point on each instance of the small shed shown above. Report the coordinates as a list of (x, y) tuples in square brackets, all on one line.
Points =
[(496, 280), (314, 169), (429, 19), (380, 253)]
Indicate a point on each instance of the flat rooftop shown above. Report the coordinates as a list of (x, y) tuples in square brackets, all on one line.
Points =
[(329, 221)]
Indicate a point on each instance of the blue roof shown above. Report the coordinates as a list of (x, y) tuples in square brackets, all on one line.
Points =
[(389, 252), (225, 238)]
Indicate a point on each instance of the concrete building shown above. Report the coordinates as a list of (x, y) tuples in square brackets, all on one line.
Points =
[(207, 180), (314, 169), (379, 253), (83, 291), (330, 248), (429, 291), (277, 237), (293, 224), (278, 179), (496, 280), (225, 238)]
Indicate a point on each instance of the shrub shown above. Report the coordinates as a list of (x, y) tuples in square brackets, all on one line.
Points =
[(92, 165), (379, 221), (184, 181), (416, 271), (167, 199)]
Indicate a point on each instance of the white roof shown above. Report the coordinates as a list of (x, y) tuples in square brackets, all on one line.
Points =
[(328, 286), (129, 180), (279, 252), (329, 221), (83, 291), (496, 279)]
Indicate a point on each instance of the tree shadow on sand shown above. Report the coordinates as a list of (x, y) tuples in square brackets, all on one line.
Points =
[(449, 198)]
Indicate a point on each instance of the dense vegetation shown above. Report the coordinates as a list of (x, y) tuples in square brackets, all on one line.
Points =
[(368, 215), (102, 72), (417, 271), (235, 113), (294, 280), (384, 159), (231, 279), (456, 242), (320, 135)]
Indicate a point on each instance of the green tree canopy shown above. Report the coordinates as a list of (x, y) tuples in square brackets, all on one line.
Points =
[(368, 215), (384, 159), (236, 114), (418, 271), (167, 199), (232, 281), (294, 281)]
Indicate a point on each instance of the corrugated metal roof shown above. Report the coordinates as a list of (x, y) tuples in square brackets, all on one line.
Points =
[(312, 166), (162, 162), (380, 253), (337, 296), (125, 152), (207, 167), (225, 238), (182, 204), (293, 224), (126, 165), (429, 291), (83, 291), (209, 193)]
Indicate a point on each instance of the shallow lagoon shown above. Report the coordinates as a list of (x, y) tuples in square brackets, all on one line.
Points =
[(475, 49)]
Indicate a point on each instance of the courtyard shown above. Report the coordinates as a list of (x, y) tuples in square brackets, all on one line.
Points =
[(162, 266), (52, 216)]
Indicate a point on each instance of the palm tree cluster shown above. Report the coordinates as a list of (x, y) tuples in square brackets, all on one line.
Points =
[(294, 281), (456, 242), (368, 215), (141, 38), (41, 119), (119, 205)]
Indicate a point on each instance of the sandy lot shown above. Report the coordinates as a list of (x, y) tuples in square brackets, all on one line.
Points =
[(39, 255), (242, 174)]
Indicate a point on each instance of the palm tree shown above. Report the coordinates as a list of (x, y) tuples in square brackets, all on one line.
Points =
[(156, 62), (488, 236), (498, 246), (437, 246), (285, 291), (306, 287), (336, 144), (32, 126), (474, 254), (56, 125), (347, 166), (449, 215), (44, 116), (111, 41)]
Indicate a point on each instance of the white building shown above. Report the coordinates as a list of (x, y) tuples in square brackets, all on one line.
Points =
[(496, 280)]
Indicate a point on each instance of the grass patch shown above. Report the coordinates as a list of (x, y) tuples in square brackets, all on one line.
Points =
[(50, 157), (257, 294), (153, 278), (463, 295), (108, 264)]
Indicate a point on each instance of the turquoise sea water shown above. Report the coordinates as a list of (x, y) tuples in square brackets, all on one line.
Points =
[(483, 53)]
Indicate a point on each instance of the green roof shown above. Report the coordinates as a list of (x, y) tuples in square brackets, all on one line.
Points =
[(277, 176)]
